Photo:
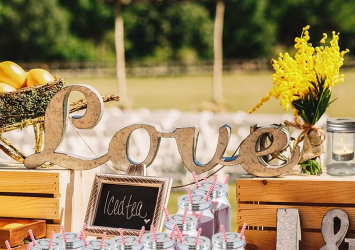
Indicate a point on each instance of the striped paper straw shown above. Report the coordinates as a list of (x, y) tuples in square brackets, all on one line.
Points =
[(51, 240), (179, 234), (166, 213), (7, 245), (226, 179), (243, 230), (82, 229), (32, 237), (224, 233), (84, 238), (29, 246), (185, 214), (153, 233), (122, 237), (195, 179), (103, 239), (205, 178), (214, 182), (199, 216), (172, 232), (194, 214), (141, 234), (63, 233), (208, 193), (198, 236), (189, 193)]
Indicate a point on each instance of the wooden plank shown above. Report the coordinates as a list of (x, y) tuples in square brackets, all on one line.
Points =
[(26, 181), (29, 207), (296, 190), (52, 227), (265, 215)]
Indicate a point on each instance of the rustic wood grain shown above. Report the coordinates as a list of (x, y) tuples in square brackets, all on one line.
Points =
[(52, 227)]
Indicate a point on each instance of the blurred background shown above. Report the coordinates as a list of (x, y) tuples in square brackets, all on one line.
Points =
[(203, 63)]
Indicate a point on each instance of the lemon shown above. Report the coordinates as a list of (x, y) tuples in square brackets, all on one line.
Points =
[(38, 76), (12, 74), (12, 225), (6, 87)]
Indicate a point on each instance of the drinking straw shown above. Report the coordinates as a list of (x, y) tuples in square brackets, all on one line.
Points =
[(189, 193), (214, 181), (205, 178), (226, 179), (198, 236), (51, 240), (32, 237), (141, 234), (122, 237), (166, 213), (199, 216), (172, 232), (185, 214), (63, 233), (179, 234), (82, 229), (153, 233), (84, 238), (195, 179), (243, 230), (29, 246), (7, 245), (103, 240), (208, 193), (224, 233)]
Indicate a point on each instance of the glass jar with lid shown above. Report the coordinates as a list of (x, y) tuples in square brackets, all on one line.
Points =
[(43, 244), (189, 243), (186, 229), (96, 245), (340, 146), (233, 242), (131, 243), (163, 242), (73, 240)]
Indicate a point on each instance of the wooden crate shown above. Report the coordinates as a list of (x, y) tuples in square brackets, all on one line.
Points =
[(58, 196), (259, 198)]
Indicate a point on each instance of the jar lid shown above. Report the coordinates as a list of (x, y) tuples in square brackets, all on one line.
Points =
[(163, 241), (220, 190), (72, 240), (340, 124), (131, 242), (188, 243), (95, 245), (190, 222), (233, 241), (44, 243), (198, 204)]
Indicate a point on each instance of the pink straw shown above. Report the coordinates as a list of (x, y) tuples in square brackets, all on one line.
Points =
[(214, 181), (141, 234), (185, 214), (82, 229), (198, 236), (199, 216), (122, 237), (153, 233), (189, 193), (226, 179), (224, 233), (32, 237), (208, 193), (243, 230), (195, 179), (166, 213), (205, 178), (103, 240), (7, 245), (179, 234), (51, 240), (84, 238), (172, 232), (63, 233), (29, 246)]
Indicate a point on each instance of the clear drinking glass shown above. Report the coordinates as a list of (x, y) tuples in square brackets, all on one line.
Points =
[(233, 242), (186, 229)]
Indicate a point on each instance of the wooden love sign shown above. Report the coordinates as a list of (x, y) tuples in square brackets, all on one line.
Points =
[(250, 155)]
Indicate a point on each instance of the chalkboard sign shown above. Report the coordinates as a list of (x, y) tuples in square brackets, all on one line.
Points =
[(127, 202)]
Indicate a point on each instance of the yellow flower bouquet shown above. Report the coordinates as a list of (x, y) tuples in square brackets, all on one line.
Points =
[(304, 83)]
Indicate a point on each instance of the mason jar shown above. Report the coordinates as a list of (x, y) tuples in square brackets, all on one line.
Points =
[(188, 228), (199, 205), (221, 207), (43, 244), (189, 243), (95, 245), (73, 240), (233, 242), (163, 242), (340, 146), (131, 243)]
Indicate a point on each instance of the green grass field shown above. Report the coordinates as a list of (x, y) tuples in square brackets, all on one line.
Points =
[(241, 91)]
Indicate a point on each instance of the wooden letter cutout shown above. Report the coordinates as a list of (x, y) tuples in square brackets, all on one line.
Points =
[(288, 234)]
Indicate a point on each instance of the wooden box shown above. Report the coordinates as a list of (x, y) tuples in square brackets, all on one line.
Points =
[(58, 196), (259, 198)]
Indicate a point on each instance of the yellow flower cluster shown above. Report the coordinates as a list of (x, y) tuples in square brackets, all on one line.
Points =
[(293, 76)]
